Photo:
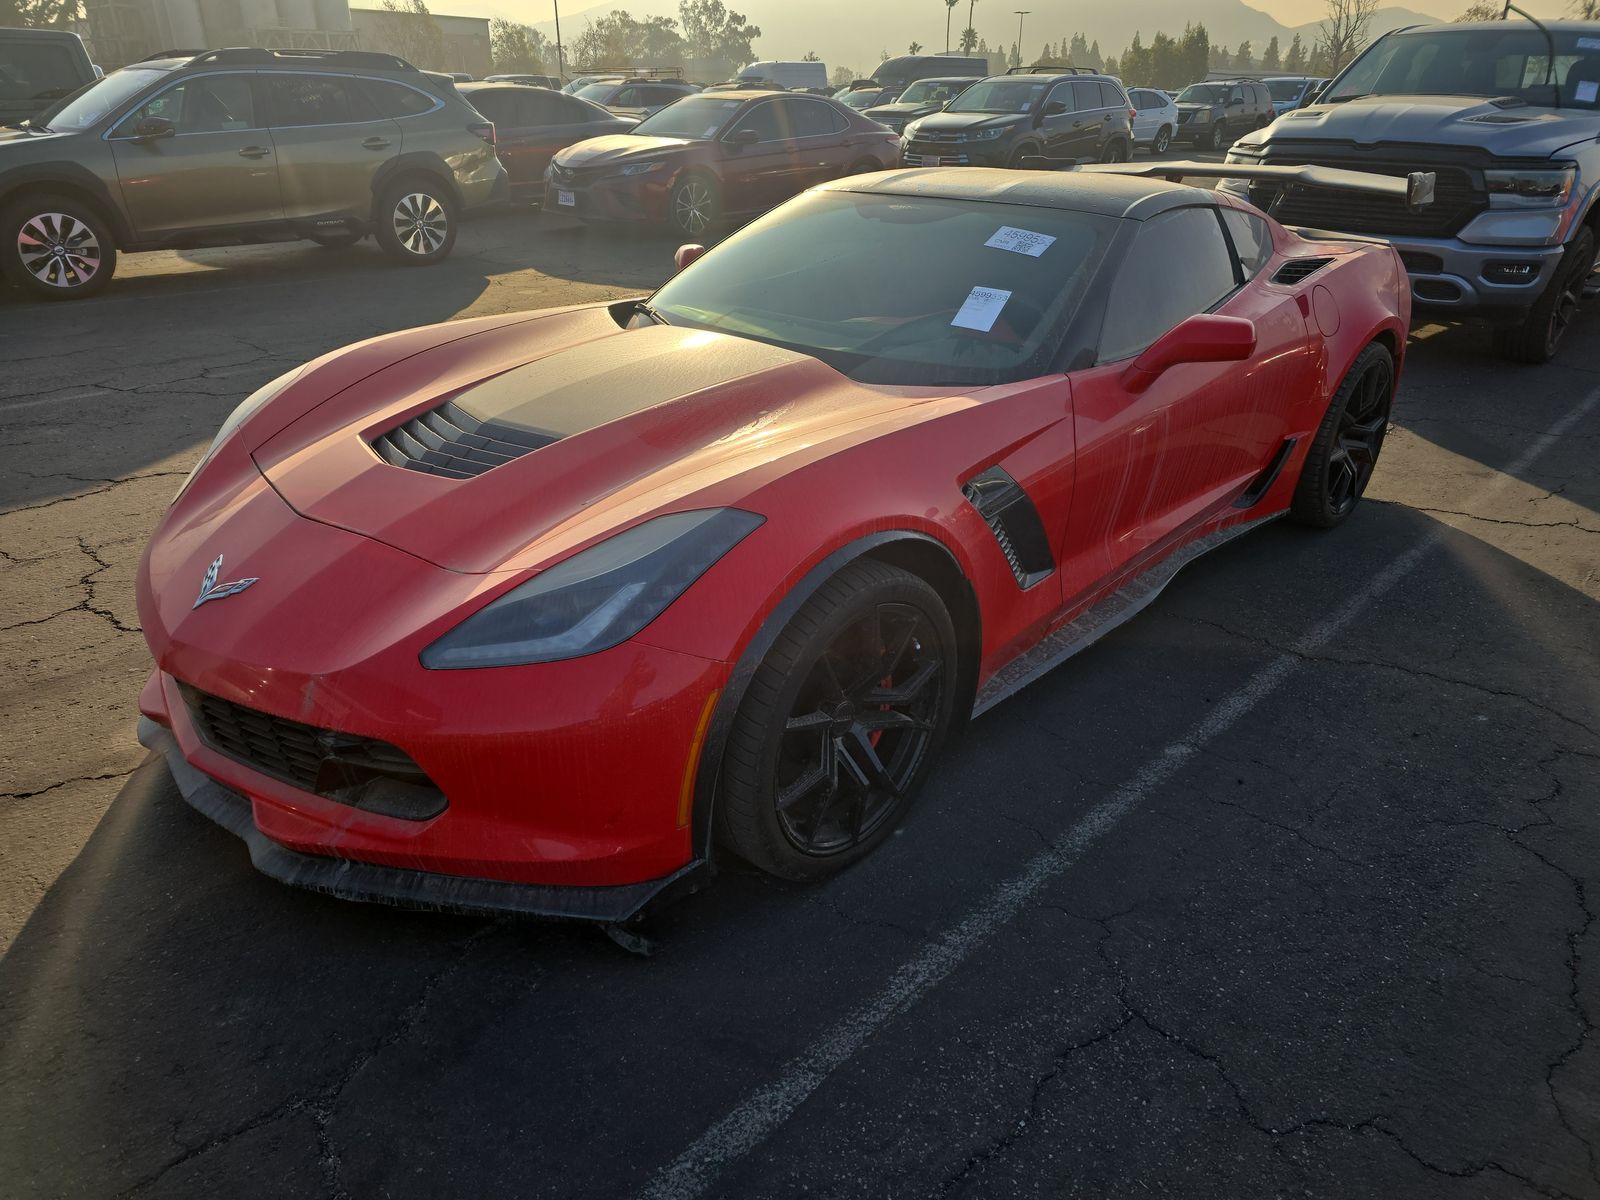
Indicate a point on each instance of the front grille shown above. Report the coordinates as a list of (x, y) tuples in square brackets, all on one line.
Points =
[(1296, 269), (450, 441), (361, 772), (1456, 200)]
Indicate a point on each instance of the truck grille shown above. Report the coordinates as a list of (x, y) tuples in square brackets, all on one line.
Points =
[(361, 772), (1456, 200)]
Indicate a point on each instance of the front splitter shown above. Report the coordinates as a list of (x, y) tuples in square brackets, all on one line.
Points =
[(371, 883)]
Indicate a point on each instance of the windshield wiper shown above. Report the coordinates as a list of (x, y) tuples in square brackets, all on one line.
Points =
[(645, 307)]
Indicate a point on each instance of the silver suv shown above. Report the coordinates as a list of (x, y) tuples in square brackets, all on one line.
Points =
[(1507, 114)]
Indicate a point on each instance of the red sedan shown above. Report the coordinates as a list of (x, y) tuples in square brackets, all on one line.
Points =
[(532, 123), (530, 612), (716, 155)]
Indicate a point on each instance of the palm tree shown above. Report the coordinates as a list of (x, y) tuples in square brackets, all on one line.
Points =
[(949, 7), (970, 3)]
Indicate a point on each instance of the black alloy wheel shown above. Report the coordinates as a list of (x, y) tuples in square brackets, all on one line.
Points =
[(1538, 338), (841, 723), (1341, 460)]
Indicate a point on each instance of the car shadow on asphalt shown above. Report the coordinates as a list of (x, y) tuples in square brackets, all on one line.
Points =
[(169, 1012)]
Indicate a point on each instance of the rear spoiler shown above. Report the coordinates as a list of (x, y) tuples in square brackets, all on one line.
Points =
[(1415, 189)]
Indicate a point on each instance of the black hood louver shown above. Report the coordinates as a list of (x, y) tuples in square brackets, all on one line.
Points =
[(1015, 523), (450, 441), (1297, 269)]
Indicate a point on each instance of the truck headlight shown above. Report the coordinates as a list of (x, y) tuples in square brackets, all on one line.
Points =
[(985, 135), (1539, 187)]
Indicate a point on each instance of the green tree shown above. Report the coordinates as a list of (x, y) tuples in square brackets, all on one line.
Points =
[(1294, 62), (1078, 50), (1196, 53), (40, 14), (1271, 58), (1165, 61), (842, 77), (1112, 67), (811, 56), (1136, 63), (413, 34), (716, 39), (969, 40), (1094, 62), (1586, 10), (517, 49), (949, 7), (1243, 58), (1483, 10), (914, 48), (617, 40)]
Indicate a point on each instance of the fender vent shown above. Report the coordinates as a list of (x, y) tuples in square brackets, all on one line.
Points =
[(1268, 476), (1297, 269), (1015, 523), (450, 441)]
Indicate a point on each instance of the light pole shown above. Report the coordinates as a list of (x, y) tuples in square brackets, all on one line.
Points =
[(1021, 12), (561, 64)]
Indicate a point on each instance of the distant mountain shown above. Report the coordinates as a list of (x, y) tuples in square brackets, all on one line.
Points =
[(849, 33)]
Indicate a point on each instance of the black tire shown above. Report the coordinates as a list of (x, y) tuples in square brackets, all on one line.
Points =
[(1114, 151), (1163, 140), (1345, 450), (863, 166), (1538, 338), (338, 241), (855, 696), (416, 221), (1206, 140), (1026, 150), (694, 207), (55, 247)]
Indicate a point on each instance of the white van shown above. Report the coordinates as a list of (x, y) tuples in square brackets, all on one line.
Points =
[(788, 75)]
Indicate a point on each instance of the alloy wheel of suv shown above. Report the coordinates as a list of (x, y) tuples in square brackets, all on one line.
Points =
[(416, 223), (57, 249), (1163, 140)]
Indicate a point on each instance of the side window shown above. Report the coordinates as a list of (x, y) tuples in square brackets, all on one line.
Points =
[(624, 97), (1235, 94), (1252, 240), (499, 107), (766, 120), (1178, 265), (811, 119), (654, 96), (395, 99), (204, 104), (1085, 95), (1111, 96), (294, 100), (538, 106)]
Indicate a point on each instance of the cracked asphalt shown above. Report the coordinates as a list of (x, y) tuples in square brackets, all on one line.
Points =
[(1339, 941)]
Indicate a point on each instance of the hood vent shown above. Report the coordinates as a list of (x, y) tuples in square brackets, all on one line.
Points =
[(1297, 269), (450, 441)]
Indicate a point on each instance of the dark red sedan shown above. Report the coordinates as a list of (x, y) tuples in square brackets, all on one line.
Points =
[(532, 123), (718, 154)]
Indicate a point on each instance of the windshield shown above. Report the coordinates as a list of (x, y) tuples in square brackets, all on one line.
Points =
[(1286, 89), (84, 109), (865, 98), (1000, 96), (1510, 61), (928, 91), (598, 92), (692, 117), (1202, 93), (898, 289)]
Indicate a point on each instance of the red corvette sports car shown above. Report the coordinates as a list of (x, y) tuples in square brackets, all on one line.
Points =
[(529, 613)]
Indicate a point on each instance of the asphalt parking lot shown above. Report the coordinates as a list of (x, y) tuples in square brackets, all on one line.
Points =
[(1288, 887)]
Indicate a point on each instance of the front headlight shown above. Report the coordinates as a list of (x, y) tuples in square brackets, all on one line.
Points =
[(986, 135), (1537, 188), (643, 168), (1201, 116), (596, 599), (251, 403)]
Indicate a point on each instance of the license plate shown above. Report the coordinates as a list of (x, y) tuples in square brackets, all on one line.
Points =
[(565, 198)]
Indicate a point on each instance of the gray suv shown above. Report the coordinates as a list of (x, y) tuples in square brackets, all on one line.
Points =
[(231, 146), (1031, 116), (1507, 115)]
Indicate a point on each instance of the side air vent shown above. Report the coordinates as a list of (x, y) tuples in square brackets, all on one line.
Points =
[(1267, 477), (450, 441), (1297, 269), (1015, 523)]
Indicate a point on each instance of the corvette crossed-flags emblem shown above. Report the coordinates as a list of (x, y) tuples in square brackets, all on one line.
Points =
[(210, 589)]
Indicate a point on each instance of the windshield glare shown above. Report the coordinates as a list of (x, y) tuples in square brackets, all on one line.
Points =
[(598, 92), (862, 99), (999, 96), (927, 91), (1200, 93), (697, 117), (86, 108), (1514, 61), (898, 290)]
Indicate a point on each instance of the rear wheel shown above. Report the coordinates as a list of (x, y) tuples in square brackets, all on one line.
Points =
[(1345, 451), (1538, 338), (56, 248), (416, 222), (1163, 140), (1114, 151), (840, 724)]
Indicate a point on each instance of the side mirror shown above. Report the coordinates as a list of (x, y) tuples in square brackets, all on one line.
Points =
[(1236, 102), (742, 138), (687, 253), (1204, 337), (1314, 93), (1055, 108), (153, 129)]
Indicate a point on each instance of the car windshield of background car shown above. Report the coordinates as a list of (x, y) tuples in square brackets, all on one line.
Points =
[(691, 117)]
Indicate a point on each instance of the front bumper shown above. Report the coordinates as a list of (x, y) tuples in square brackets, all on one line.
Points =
[(408, 888), (1451, 276), (956, 154), (614, 198)]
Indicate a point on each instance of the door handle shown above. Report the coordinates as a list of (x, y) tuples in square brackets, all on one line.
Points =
[(376, 143), (254, 152)]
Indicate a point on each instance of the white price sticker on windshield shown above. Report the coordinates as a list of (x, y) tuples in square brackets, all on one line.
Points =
[(711, 130), (1587, 91), (1021, 241), (981, 309), (1589, 43)]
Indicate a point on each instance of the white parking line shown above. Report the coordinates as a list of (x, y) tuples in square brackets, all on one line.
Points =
[(91, 394), (749, 1124)]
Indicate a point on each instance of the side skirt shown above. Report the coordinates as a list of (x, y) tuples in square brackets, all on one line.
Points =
[(1100, 619)]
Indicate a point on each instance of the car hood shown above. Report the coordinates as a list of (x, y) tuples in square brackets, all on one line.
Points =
[(621, 424), (14, 141), (619, 148), (1516, 132), (949, 122)]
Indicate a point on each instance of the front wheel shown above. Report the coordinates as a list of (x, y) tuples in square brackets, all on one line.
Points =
[(1207, 140), (693, 207), (1163, 140), (1538, 338), (56, 248), (1345, 451), (416, 222), (840, 724)]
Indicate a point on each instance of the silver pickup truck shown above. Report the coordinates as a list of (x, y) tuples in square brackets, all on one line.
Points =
[(1507, 114)]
